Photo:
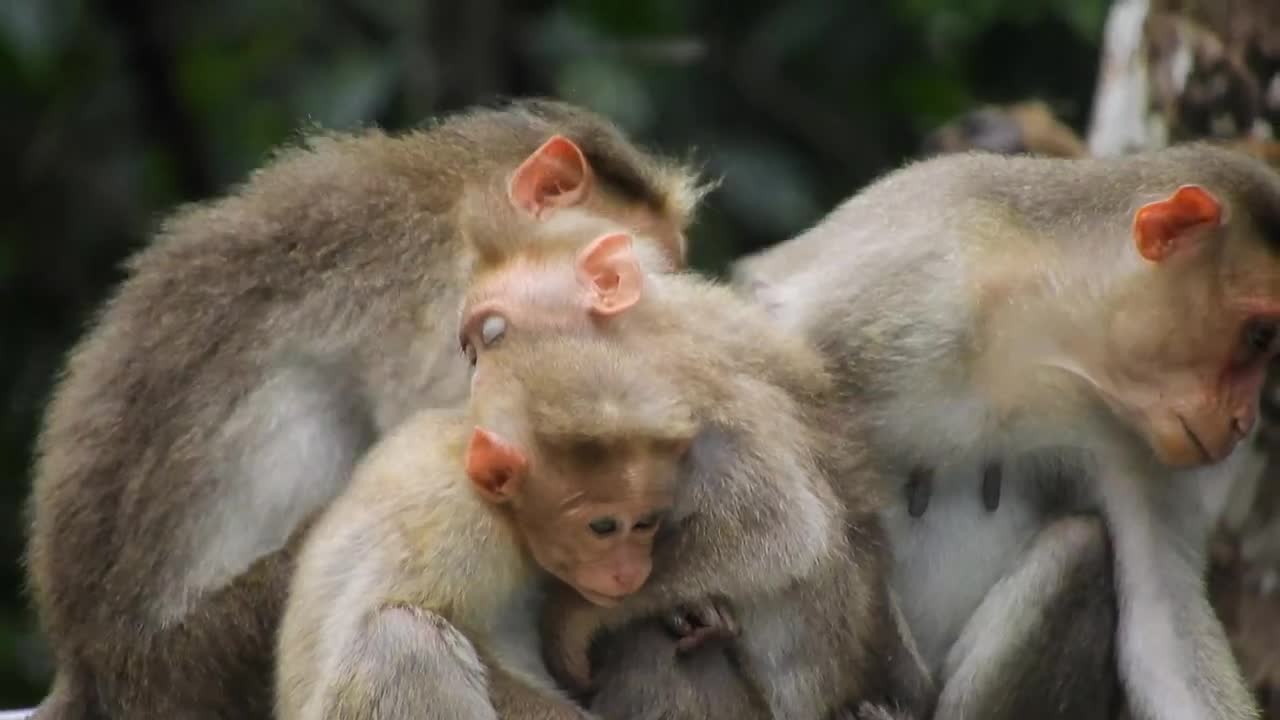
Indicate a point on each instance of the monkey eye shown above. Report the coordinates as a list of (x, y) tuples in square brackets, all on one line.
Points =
[(1260, 335), (604, 526), (650, 521), (493, 328)]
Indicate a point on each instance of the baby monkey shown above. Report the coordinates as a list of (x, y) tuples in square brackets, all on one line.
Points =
[(418, 594)]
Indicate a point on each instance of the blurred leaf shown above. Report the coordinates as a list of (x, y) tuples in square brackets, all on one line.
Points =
[(37, 30), (610, 89), (632, 18), (764, 187), (351, 93)]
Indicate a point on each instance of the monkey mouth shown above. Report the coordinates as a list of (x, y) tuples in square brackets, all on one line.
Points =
[(1195, 440)]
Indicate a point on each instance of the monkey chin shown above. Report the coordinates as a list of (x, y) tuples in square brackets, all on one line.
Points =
[(1178, 445), (599, 599)]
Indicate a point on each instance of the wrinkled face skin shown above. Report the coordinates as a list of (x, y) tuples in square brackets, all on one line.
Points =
[(1188, 360), (589, 513)]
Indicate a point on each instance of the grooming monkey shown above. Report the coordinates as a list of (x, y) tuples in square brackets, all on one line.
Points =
[(254, 352), (757, 525), (417, 594), (1078, 337)]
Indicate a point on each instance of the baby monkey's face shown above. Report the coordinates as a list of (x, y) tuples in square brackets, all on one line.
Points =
[(591, 511)]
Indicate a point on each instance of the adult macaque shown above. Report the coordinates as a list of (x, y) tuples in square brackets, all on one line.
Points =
[(417, 594), (1083, 336), (757, 525), (255, 351)]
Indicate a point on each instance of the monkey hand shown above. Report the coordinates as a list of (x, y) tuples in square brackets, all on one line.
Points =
[(698, 623)]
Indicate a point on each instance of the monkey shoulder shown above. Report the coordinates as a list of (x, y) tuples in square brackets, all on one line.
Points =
[(411, 509)]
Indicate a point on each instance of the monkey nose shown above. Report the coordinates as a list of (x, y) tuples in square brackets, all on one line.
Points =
[(628, 581)]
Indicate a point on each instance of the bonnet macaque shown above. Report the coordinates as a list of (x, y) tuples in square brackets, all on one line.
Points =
[(1080, 338), (417, 593), (256, 349)]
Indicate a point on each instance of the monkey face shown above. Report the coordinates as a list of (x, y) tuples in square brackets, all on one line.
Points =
[(594, 526), (1188, 354)]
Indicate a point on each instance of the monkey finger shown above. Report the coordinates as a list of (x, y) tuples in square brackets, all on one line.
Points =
[(699, 637), (679, 623)]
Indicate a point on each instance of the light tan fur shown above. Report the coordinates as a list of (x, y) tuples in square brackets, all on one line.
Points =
[(414, 568), (980, 307)]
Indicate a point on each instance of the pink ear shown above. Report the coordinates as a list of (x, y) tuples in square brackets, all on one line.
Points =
[(611, 274), (1164, 227), (556, 175), (494, 465)]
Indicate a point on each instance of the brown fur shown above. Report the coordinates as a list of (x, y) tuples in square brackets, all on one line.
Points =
[(321, 295), (761, 475)]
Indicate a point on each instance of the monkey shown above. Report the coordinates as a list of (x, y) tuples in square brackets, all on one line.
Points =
[(757, 523), (256, 348), (415, 595), (1104, 324)]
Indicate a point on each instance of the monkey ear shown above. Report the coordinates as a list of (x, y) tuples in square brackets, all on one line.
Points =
[(611, 274), (495, 466), (1165, 227), (556, 175)]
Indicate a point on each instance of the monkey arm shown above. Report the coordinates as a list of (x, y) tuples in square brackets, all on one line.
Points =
[(759, 518), (405, 661), (569, 623), (1173, 654), (1040, 644), (516, 700)]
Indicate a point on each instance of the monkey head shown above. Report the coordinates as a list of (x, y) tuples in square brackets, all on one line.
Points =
[(579, 444), (580, 288), (558, 183), (1187, 348)]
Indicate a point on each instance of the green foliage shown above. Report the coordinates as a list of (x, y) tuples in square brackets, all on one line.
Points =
[(115, 112)]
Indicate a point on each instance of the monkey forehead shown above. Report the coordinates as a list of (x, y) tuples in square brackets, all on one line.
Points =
[(520, 287)]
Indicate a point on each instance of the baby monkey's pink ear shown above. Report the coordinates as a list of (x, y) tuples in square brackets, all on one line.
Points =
[(611, 274), (1165, 227), (556, 175), (495, 466)]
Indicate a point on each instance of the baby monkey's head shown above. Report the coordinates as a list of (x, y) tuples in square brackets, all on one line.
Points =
[(579, 443)]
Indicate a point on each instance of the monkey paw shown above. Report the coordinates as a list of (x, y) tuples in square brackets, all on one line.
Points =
[(698, 623)]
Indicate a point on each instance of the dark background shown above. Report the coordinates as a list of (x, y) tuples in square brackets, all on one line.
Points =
[(112, 113)]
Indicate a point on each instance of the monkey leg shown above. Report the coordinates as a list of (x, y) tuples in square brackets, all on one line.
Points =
[(1041, 644), (410, 662), (643, 675)]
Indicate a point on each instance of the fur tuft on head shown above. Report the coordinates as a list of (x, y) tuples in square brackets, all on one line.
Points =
[(571, 387)]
